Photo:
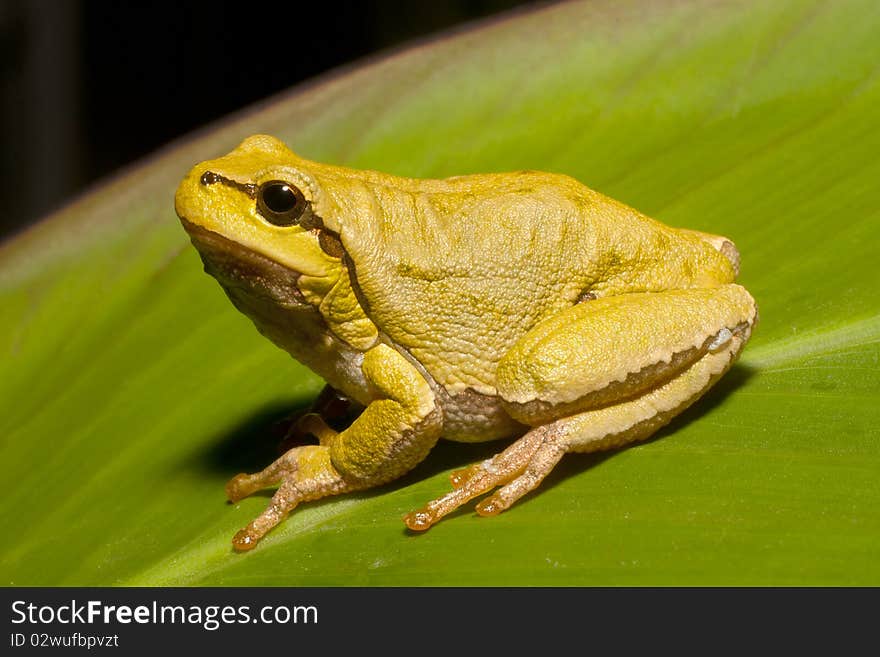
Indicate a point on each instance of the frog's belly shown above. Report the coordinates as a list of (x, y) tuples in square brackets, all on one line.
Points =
[(471, 417)]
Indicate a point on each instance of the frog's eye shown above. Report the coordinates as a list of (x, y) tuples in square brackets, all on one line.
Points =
[(280, 203)]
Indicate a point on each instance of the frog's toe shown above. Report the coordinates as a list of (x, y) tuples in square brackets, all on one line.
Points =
[(481, 481), (239, 487), (305, 474), (283, 502), (512, 465), (244, 540), (459, 478), (244, 485), (539, 466), (510, 460)]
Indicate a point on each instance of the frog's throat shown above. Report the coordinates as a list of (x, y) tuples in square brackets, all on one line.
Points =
[(239, 269)]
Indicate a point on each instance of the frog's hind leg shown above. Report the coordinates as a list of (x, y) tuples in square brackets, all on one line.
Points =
[(521, 467), (658, 394), (619, 424)]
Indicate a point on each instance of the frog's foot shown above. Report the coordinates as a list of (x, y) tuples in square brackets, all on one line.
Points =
[(304, 473), (518, 470)]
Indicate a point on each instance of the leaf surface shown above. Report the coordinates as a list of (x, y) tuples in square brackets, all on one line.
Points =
[(132, 389)]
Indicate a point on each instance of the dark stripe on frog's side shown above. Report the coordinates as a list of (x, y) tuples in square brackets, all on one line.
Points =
[(467, 416), (331, 244)]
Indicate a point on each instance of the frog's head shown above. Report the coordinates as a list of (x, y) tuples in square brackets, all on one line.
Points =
[(260, 199), (252, 215)]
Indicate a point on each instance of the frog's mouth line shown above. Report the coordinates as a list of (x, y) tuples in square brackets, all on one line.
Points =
[(241, 270)]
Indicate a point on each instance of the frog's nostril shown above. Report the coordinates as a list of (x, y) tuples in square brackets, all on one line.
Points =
[(209, 178)]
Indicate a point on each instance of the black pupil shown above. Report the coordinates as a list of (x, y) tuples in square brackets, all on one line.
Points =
[(279, 197)]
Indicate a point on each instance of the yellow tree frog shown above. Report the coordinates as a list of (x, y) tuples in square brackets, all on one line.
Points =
[(513, 305)]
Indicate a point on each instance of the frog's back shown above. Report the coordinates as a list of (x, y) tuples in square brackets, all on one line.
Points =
[(457, 270)]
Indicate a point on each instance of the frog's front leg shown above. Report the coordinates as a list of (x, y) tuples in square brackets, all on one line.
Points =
[(395, 431), (599, 375)]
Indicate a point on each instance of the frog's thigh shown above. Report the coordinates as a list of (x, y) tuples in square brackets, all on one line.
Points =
[(610, 349)]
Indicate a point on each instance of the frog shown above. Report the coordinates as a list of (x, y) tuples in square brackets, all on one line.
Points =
[(519, 306)]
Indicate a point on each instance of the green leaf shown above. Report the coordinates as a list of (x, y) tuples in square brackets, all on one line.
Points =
[(131, 389)]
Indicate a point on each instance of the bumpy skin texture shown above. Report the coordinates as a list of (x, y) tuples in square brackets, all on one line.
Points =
[(473, 307)]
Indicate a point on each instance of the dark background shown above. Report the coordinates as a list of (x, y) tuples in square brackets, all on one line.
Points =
[(87, 86)]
